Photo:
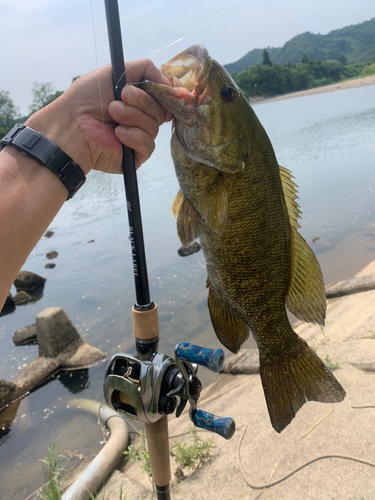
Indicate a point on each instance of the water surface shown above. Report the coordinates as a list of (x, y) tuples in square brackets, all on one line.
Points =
[(326, 140)]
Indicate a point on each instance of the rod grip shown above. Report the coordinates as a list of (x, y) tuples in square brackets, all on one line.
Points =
[(145, 323), (158, 447), (224, 426), (213, 359)]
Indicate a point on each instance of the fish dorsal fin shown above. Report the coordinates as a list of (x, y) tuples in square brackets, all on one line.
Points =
[(306, 295), (213, 206), (178, 199), (290, 195), (230, 329), (189, 225)]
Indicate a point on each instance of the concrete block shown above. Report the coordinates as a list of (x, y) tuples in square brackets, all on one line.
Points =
[(55, 332)]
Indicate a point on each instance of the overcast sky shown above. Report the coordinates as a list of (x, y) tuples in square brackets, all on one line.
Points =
[(53, 40)]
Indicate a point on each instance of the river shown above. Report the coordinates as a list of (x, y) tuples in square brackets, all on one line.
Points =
[(326, 140)]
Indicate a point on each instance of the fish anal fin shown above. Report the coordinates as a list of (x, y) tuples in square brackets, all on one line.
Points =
[(178, 199), (306, 294), (292, 380), (213, 206), (230, 329), (189, 225)]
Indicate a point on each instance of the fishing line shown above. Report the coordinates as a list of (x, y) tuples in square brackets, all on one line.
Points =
[(269, 485), (180, 39), (122, 305)]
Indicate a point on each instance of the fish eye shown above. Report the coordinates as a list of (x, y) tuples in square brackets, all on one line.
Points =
[(228, 94)]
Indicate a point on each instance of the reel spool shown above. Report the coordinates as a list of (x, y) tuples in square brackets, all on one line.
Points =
[(147, 390)]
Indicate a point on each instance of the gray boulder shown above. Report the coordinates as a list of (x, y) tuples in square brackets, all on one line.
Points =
[(9, 305), (22, 297), (27, 280), (25, 336), (52, 255)]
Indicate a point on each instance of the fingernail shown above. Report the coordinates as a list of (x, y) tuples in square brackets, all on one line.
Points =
[(117, 109), (121, 132)]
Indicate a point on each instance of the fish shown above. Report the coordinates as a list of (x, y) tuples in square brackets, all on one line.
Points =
[(236, 199)]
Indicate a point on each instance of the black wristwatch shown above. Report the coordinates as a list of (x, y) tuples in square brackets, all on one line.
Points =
[(47, 153)]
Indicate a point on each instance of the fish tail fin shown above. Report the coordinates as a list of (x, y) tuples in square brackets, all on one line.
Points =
[(292, 380)]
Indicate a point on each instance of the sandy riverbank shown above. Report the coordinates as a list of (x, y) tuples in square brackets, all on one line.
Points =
[(338, 435), (348, 84)]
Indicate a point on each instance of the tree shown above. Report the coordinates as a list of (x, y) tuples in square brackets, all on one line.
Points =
[(8, 113), (305, 59), (43, 94), (266, 58)]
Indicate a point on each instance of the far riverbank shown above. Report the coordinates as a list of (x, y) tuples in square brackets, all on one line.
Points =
[(347, 84)]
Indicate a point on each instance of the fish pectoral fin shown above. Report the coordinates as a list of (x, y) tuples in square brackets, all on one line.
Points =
[(189, 225), (178, 199), (292, 380), (306, 294), (214, 207), (230, 329)]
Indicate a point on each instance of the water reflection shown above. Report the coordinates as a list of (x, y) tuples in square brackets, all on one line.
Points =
[(75, 381)]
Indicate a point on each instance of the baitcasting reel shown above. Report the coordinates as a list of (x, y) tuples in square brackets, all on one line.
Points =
[(146, 390)]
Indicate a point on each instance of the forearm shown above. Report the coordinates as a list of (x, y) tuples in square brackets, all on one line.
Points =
[(85, 125), (30, 195)]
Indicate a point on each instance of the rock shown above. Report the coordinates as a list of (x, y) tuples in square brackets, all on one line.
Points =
[(50, 265), (56, 333), (35, 373), (85, 355), (27, 280), (26, 335), (60, 347), (246, 362), (354, 285), (91, 241), (52, 255), (185, 251), (58, 339), (49, 233), (7, 389), (9, 305), (22, 297)]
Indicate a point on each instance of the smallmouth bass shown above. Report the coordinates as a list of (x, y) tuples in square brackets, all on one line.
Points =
[(242, 206)]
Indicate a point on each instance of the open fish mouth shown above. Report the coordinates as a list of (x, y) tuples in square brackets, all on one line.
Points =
[(188, 73), (189, 70)]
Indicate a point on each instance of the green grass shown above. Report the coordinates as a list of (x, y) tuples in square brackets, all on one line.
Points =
[(331, 366), (53, 470)]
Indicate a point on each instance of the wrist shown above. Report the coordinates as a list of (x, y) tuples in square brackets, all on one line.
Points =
[(56, 123)]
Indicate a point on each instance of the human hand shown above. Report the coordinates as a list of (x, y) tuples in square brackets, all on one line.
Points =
[(92, 127)]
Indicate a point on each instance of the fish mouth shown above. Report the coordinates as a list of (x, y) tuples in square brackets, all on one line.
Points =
[(188, 73), (189, 70)]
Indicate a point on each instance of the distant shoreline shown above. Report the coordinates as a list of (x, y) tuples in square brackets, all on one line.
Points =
[(347, 84)]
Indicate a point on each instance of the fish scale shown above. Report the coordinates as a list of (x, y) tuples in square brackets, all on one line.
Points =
[(241, 204)]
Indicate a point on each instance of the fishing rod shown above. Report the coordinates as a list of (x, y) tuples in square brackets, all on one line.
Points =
[(149, 385)]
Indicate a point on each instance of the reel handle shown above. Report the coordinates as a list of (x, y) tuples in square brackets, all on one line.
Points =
[(223, 426), (213, 359)]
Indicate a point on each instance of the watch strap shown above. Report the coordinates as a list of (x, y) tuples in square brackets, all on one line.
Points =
[(47, 153)]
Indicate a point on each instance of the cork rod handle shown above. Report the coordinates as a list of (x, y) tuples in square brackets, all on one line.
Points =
[(146, 327)]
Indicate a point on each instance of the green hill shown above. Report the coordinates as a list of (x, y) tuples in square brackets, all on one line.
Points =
[(352, 44)]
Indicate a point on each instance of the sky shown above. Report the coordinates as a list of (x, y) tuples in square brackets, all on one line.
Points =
[(56, 40)]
